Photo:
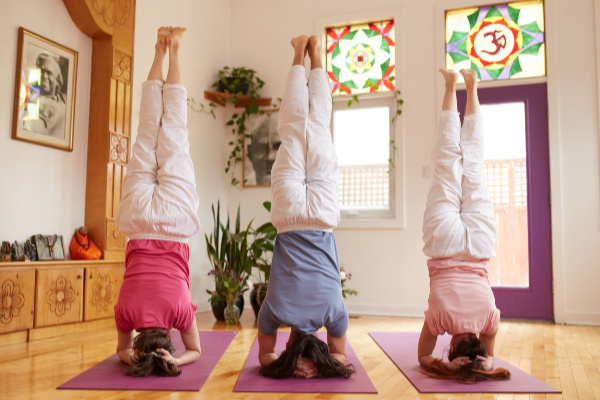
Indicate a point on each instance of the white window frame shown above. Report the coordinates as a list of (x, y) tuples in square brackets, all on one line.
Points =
[(397, 176), (384, 99)]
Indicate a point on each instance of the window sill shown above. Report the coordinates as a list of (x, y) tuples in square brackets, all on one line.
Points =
[(373, 223)]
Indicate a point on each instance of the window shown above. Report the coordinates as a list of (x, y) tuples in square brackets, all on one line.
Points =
[(360, 58), (361, 65), (361, 136), (504, 41)]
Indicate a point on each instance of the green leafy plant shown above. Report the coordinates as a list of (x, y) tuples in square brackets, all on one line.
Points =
[(201, 108), (262, 247), (239, 82), (229, 253)]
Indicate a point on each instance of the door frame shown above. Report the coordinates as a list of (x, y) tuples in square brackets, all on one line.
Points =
[(535, 301)]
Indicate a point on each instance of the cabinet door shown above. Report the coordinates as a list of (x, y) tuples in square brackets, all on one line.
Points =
[(17, 296), (59, 297), (102, 285)]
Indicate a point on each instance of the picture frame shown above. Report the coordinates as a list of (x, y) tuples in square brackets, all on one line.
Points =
[(57, 247), (43, 249), (45, 82), (260, 148)]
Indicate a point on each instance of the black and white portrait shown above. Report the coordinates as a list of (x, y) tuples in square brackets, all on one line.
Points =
[(261, 149), (45, 92)]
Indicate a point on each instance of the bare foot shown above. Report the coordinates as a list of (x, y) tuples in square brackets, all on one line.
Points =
[(174, 38), (470, 76), (161, 40), (450, 76), (314, 52), (299, 44)]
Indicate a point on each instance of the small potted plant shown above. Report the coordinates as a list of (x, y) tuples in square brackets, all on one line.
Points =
[(229, 254), (239, 81)]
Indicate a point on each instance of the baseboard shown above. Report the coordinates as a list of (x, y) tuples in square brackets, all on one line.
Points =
[(393, 310), (579, 318)]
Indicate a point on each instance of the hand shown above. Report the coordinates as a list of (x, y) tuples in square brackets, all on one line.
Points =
[(165, 355), (487, 363), (458, 362), (305, 368)]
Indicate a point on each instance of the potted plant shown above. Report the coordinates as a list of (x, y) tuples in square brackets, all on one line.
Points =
[(229, 254), (261, 251), (238, 81), (346, 276)]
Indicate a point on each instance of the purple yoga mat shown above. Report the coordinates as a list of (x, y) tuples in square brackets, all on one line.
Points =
[(251, 381), (401, 348), (108, 375)]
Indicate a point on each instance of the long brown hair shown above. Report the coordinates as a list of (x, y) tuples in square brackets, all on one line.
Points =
[(473, 372), (312, 348), (147, 360)]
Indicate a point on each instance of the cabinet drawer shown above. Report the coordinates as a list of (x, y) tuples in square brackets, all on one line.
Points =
[(102, 285), (59, 297), (17, 296)]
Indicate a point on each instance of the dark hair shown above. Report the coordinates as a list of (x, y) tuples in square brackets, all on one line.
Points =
[(312, 348), (473, 372), (147, 363)]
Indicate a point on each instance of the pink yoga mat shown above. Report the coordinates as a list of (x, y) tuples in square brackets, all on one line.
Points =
[(251, 381), (401, 348), (108, 375)]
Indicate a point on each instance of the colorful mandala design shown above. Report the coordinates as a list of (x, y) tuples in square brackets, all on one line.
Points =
[(360, 58), (500, 42)]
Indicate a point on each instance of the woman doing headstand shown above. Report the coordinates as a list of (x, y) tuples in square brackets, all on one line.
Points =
[(304, 288), (158, 214), (459, 234)]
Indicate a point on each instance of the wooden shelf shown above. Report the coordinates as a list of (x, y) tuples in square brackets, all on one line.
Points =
[(221, 99)]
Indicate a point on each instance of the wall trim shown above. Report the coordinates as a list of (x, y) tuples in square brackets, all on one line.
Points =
[(386, 309)]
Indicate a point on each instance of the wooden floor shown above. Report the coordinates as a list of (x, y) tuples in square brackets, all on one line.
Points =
[(564, 356)]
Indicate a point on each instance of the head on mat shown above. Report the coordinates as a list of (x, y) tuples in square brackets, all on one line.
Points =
[(306, 348), (148, 360)]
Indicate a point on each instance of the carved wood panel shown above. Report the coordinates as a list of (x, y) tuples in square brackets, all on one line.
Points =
[(59, 296), (111, 25), (102, 286), (17, 296)]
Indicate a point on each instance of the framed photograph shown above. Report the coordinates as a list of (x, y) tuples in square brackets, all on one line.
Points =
[(57, 247), (43, 248), (260, 149), (44, 106)]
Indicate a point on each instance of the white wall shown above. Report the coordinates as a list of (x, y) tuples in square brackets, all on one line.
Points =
[(204, 50), (42, 189)]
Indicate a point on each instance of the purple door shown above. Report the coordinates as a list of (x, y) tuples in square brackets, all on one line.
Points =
[(519, 182)]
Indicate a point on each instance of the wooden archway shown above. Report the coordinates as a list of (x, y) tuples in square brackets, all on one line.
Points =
[(110, 23)]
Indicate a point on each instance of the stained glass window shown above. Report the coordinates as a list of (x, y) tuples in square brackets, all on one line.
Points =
[(504, 41), (360, 58)]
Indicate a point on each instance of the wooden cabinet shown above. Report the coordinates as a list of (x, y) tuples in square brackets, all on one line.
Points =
[(59, 296), (17, 296), (50, 298), (102, 285)]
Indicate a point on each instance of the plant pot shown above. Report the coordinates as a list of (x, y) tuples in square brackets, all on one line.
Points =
[(219, 308), (257, 296), (233, 87)]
